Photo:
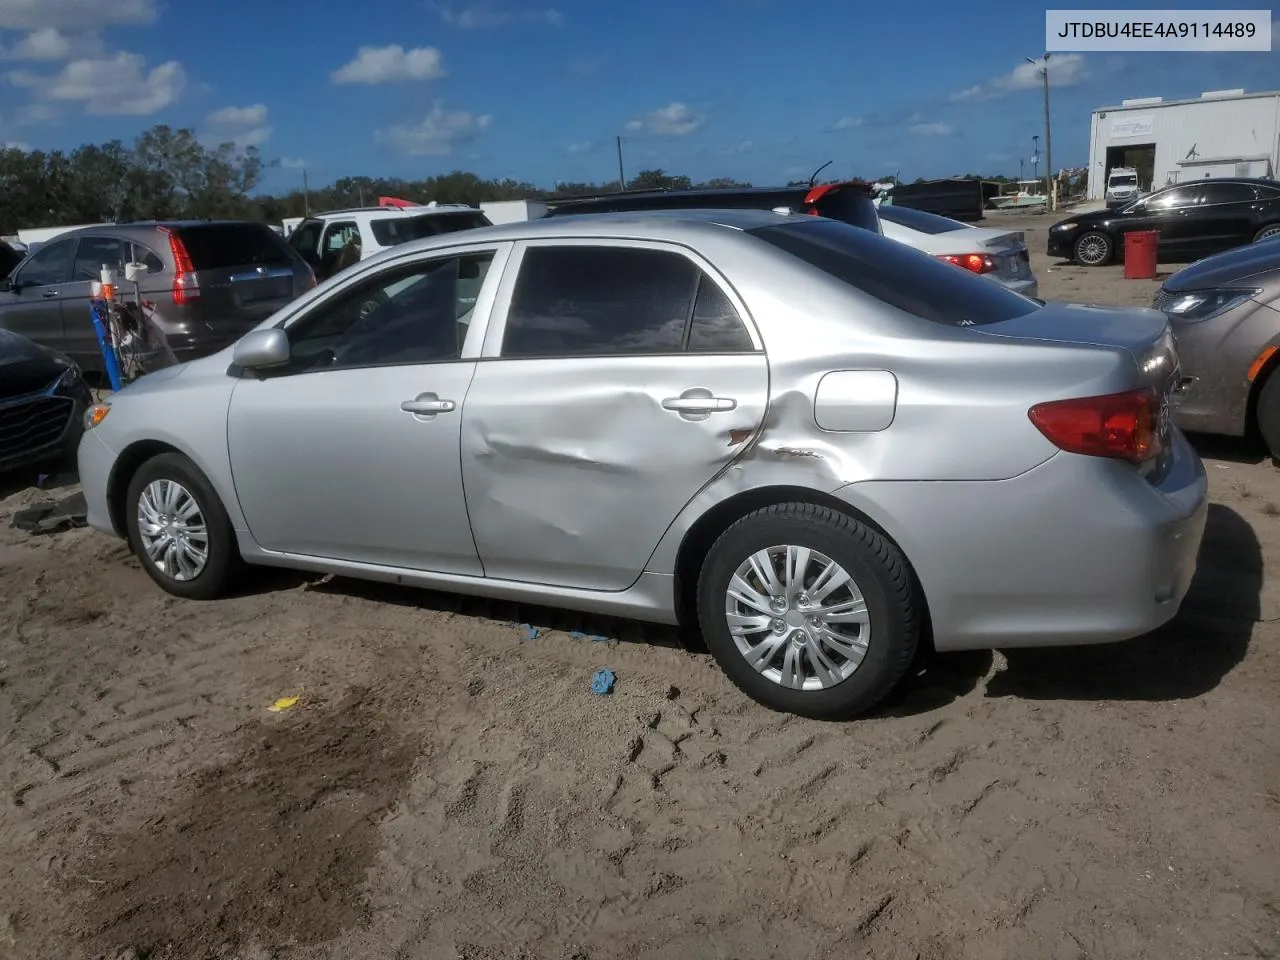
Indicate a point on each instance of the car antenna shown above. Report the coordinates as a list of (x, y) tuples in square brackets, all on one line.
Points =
[(818, 171)]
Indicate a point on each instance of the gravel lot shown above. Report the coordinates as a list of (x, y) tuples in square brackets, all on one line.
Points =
[(447, 787)]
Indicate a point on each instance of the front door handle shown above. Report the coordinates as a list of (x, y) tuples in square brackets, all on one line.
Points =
[(426, 405), (49, 294)]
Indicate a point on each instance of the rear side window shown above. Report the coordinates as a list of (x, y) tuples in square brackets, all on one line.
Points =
[(389, 231), (217, 246), (898, 275), (93, 253), (919, 221), (599, 301)]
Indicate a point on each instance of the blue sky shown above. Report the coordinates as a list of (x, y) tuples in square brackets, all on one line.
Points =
[(761, 90)]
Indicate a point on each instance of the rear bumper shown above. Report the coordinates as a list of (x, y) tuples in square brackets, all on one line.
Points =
[(1028, 288), (1078, 550)]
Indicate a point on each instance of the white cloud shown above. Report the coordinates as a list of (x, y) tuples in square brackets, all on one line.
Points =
[(50, 43), (847, 123), (113, 86), (391, 64), (744, 146), (243, 126), (487, 16), (436, 134), (586, 146), (15, 145), (34, 113), (1065, 70), (932, 129), (84, 15), (674, 120), (291, 163)]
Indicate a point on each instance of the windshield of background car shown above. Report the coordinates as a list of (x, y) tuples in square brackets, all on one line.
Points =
[(920, 221), (389, 231), (850, 206), (216, 246), (898, 275), (1130, 181)]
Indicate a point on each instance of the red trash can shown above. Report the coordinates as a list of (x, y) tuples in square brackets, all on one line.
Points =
[(1141, 250)]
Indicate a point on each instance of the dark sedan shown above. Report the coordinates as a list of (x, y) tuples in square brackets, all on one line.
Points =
[(42, 403), (1225, 314), (1193, 220)]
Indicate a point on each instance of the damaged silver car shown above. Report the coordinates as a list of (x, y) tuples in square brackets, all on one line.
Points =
[(822, 447)]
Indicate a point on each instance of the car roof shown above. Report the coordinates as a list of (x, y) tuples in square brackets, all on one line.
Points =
[(708, 194), (141, 226), (678, 226)]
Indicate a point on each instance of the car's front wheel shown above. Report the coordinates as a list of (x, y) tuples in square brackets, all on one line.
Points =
[(1269, 232), (809, 611), (1093, 249), (179, 529)]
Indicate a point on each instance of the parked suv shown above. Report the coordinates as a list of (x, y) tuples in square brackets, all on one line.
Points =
[(849, 201), (331, 241), (210, 281)]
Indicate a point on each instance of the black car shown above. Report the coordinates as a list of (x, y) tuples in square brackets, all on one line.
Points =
[(43, 398), (1193, 220), (9, 258), (849, 201)]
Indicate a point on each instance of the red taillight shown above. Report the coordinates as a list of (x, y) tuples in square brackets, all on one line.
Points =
[(1124, 426), (976, 262), (185, 286)]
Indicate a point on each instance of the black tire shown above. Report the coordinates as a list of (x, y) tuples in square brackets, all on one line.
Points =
[(1267, 414), (1093, 249), (876, 566), (1269, 232), (223, 564)]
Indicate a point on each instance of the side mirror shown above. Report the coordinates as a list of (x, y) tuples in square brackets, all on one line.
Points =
[(261, 348), (9, 285)]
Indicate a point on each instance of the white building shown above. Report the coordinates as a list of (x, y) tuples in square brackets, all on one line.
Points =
[(1222, 133)]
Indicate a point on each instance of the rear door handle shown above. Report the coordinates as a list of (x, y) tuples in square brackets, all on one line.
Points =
[(699, 404), (427, 405)]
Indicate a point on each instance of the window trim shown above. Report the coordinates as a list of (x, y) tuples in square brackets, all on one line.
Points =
[(303, 308), (497, 327)]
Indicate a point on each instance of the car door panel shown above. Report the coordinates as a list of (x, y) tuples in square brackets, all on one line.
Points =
[(575, 465), (574, 469), (355, 457), (327, 464), (34, 310)]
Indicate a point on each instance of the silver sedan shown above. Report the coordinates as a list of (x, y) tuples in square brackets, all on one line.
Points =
[(823, 447)]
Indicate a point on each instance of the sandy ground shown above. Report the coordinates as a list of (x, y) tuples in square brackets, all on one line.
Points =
[(448, 787)]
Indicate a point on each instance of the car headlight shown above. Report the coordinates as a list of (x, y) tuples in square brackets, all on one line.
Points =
[(70, 377), (1069, 225), (96, 414), (1197, 305)]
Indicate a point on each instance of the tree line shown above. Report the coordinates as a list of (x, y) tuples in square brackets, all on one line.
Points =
[(170, 174)]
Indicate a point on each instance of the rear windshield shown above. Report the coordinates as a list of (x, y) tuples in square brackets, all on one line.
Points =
[(390, 231), (898, 275), (217, 246), (920, 221)]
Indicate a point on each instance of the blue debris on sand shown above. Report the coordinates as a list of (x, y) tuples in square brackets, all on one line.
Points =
[(530, 631), (603, 681), (593, 637)]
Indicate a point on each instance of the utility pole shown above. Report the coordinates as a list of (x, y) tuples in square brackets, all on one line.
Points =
[(1048, 142), (1035, 157), (306, 195), (622, 177)]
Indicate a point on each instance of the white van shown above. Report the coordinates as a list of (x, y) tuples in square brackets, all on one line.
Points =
[(1122, 186)]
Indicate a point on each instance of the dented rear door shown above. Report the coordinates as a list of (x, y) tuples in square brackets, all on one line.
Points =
[(619, 378)]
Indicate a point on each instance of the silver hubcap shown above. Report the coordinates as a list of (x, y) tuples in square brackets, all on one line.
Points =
[(1269, 233), (798, 617), (173, 530), (1092, 250)]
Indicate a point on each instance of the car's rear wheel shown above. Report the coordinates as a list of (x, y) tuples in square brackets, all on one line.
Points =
[(179, 529), (1269, 232), (809, 611), (1093, 249)]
